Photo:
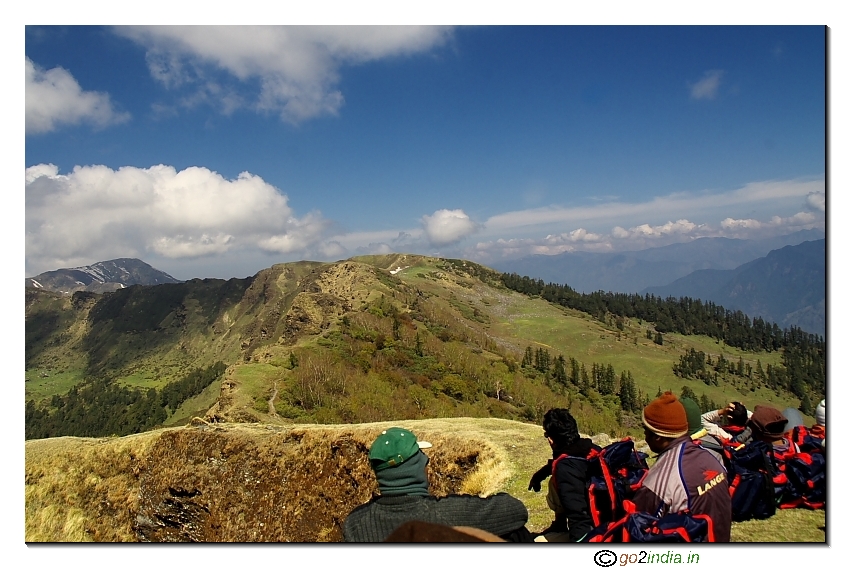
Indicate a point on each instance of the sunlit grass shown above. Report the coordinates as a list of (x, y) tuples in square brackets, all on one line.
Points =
[(195, 406), (43, 384)]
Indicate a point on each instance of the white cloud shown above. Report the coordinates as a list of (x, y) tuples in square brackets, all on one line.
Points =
[(799, 221), (53, 98), (297, 66), (332, 249), (758, 194), (816, 201), (708, 86), (512, 234), (374, 248), (681, 226), (96, 213), (642, 236), (577, 235), (447, 227)]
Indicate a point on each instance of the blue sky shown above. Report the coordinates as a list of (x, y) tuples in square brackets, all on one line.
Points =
[(218, 152)]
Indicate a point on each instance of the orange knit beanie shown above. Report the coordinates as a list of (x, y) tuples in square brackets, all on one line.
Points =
[(666, 416)]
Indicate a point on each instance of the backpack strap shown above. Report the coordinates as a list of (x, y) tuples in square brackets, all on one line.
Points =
[(609, 482), (710, 523)]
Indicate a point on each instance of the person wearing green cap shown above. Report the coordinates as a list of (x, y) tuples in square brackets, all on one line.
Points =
[(399, 464), (698, 433)]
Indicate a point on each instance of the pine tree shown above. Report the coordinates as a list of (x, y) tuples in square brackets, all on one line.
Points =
[(806, 405), (575, 375), (417, 348), (527, 358), (760, 376), (559, 374), (585, 386)]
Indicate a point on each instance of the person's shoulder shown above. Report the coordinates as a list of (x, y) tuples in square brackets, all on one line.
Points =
[(469, 500), (699, 452), (573, 463), (473, 497), (361, 510), (353, 524)]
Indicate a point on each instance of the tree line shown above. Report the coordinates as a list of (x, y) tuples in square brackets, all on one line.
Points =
[(601, 378), (99, 407), (803, 354), (801, 377)]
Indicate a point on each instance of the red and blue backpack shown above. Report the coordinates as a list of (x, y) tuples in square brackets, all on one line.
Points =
[(621, 471), (806, 440), (640, 527), (804, 470), (615, 472)]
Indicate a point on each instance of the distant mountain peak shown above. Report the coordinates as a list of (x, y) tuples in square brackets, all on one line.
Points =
[(100, 277), (787, 286)]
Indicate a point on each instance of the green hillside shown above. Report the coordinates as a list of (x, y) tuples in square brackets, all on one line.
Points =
[(369, 339)]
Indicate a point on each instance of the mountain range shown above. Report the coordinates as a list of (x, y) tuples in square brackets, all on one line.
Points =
[(100, 277), (633, 271), (367, 339), (787, 287)]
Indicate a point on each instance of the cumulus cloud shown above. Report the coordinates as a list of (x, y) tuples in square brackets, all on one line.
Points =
[(642, 236), (447, 226), (53, 98), (297, 67), (681, 226), (95, 213), (514, 234), (708, 86), (801, 221), (816, 201), (332, 249)]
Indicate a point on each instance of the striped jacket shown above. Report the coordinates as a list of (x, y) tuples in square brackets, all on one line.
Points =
[(686, 478)]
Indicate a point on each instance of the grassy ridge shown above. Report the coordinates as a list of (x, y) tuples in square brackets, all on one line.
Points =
[(577, 334), (382, 337)]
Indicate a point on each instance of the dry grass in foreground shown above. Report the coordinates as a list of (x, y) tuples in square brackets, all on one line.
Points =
[(260, 482)]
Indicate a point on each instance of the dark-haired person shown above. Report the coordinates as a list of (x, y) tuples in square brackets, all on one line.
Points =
[(685, 478), (567, 491), (729, 423), (400, 467)]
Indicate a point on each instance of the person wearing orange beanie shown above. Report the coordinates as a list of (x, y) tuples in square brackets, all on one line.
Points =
[(685, 478)]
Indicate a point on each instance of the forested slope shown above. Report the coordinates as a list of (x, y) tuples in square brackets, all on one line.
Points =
[(389, 337)]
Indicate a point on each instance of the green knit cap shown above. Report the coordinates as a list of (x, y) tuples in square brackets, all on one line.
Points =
[(694, 415)]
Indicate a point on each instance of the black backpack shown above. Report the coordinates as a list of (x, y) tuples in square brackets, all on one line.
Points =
[(615, 472), (751, 472)]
